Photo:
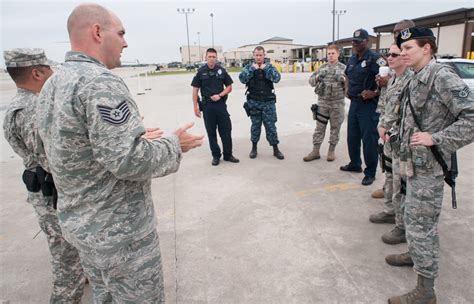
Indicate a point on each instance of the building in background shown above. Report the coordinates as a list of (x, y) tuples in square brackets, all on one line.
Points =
[(198, 54), (277, 49), (453, 30)]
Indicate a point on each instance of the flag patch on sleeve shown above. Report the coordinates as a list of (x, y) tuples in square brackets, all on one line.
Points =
[(116, 116)]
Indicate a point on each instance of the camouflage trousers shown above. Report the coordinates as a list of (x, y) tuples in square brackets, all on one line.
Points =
[(394, 200), (422, 209), (263, 112), (68, 276), (332, 112), (134, 273)]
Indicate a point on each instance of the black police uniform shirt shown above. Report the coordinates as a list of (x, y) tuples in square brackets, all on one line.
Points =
[(361, 72), (211, 81)]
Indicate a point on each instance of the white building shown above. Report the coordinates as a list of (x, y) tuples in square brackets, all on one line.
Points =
[(198, 54), (276, 49)]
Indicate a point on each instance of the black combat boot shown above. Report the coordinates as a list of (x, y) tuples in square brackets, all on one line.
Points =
[(422, 294), (253, 153), (277, 153)]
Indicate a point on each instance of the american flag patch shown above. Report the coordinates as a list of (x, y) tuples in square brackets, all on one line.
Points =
[(116, 116)]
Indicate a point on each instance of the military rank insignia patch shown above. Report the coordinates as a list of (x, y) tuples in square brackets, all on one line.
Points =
[(464, 92), (115, 116), (381, 62), (405, 34)]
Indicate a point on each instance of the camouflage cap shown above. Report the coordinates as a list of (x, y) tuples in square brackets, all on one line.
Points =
[(25, 57)]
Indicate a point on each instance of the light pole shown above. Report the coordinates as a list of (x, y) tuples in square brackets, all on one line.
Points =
[(333, 19), (186, 12), (199, 46), (339, 13), (212, 28)]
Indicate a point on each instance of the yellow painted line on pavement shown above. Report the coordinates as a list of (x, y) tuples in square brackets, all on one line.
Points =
[(328, 188)]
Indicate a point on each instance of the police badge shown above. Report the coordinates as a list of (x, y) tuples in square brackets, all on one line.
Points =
[(381, 62), (405, 34), (363, 64), (219, 71)]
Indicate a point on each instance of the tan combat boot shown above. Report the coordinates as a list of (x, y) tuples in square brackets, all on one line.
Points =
[(313, 154), (378, 193), (395, 236), (331, 153), (399, 260), (422, 294)]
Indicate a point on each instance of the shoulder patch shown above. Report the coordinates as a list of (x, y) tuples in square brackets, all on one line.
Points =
[(464, 93), (115, 116), (381, 62)]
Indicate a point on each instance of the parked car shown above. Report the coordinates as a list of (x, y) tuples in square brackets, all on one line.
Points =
[(463, 67), (174, 64)]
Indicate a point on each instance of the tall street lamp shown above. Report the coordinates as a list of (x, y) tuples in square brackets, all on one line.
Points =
[(212, 28), (187, 11), (339, 13), (333, 19), (199, 46)]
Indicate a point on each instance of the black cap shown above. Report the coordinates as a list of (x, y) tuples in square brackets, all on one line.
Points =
[(360, 35), (414, 33)]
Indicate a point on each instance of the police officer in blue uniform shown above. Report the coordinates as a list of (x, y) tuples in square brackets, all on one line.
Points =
[(362, 119), (215, 85)]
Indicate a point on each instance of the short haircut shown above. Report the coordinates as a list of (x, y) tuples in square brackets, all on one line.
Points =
[(211, 50), (333, 47), (431, 42), (20, 74), (259, 48), (85, 15)]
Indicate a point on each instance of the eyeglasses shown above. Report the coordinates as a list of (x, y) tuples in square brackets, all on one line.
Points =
[(394, 55)]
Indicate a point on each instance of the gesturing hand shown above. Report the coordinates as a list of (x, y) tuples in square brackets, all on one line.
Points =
[(153, 133), (188, 141)]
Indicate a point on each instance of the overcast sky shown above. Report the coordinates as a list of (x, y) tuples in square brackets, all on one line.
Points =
[(155, 30)]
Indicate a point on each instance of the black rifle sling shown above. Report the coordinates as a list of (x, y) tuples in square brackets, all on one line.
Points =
[(448, 177)]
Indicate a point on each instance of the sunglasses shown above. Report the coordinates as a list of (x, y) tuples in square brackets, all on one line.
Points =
[(394, 55)]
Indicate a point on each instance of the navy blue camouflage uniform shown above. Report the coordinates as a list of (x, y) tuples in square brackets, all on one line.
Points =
[(362, 119), (262, 108), (212, 82)]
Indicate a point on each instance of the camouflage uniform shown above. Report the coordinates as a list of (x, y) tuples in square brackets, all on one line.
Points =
[(92, 133), (389, 109), (262, 111), (20, 131), (447, 113), (329, 85)]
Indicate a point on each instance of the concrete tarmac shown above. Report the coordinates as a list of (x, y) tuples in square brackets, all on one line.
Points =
[(261, 231)]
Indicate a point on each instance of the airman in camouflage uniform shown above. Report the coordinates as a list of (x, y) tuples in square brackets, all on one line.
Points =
[(93, 137), (259, 78), (443, 107), (29, 68), (389, 109), (329, 86)]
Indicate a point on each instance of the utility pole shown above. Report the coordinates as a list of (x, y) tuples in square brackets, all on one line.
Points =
[(339, 13), (212, 28), (186, 12), (333, 19), (199, 46)]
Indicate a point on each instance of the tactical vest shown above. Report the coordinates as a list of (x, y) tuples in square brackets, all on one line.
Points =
[(260, 88)]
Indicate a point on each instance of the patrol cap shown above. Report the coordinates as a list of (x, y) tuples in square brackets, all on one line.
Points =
[(25, 57), (414, 33), (360, 35)]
